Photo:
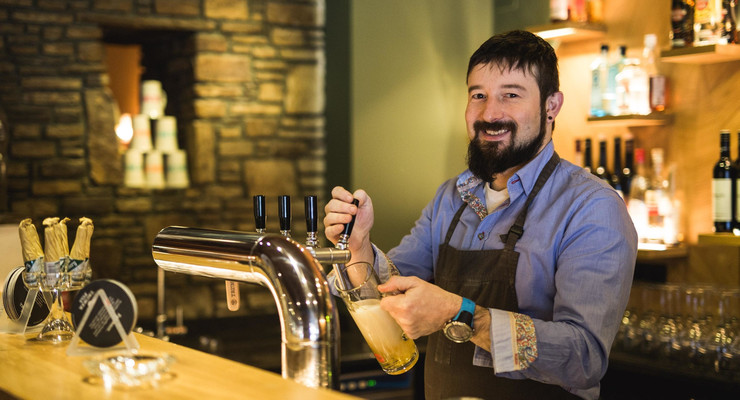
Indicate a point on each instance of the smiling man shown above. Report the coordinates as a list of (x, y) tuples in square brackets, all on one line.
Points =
[(520, 268)]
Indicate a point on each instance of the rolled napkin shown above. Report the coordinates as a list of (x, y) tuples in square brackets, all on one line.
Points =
[(55, 239), (30, 242), (81, 246)]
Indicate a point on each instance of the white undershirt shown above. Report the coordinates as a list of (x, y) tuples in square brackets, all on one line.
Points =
[(495, 198)]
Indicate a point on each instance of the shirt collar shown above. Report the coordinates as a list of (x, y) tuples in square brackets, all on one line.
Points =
[(525, 176)]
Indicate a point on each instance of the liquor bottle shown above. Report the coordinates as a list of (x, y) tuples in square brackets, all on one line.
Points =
[(558, 10), (707, 17), (601, 171), (682, 23), (638, 187), (629, 162), (578, 157), (577, 10), (723, 189), (616, 177), (657, 199), (736, 164), (615, 67), (595, 11), (728, 32), (587, 159), (657, 81), (598, 83)]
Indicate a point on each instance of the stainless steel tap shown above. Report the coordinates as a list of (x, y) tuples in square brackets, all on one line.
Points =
[(306, 308)]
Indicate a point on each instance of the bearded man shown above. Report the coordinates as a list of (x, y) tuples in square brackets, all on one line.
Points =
[(537, 250)]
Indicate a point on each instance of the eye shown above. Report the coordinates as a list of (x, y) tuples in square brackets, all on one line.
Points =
[(478, 96), (511, 95)]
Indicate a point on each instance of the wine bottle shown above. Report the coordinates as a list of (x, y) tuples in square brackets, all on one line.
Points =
[(682, 23), (616, 177), (601, 171), (587, 159), (629, 169), (578, 157), (736, 164), (723, 187), (728, 33), (657, 81)]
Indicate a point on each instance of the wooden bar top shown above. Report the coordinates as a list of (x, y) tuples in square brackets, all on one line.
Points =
[(30, 369)]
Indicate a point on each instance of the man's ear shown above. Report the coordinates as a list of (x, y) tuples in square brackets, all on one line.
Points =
[(553, 104)]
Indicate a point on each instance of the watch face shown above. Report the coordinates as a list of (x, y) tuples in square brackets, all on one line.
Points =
[(458, 332)]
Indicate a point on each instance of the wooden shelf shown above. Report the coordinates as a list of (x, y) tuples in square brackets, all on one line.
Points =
[(710, 54), (670, 253), (569, 31), (654, 119), (719, 239)]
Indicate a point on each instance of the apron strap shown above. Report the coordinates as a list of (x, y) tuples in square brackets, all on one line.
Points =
[(454, 222), (517, 229)]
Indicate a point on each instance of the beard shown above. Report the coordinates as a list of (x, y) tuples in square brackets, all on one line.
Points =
[(486, 159)]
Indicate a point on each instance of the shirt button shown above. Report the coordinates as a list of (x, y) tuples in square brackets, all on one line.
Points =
[(481, 236)]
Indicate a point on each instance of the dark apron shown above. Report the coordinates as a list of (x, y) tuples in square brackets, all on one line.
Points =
[(486, 277)]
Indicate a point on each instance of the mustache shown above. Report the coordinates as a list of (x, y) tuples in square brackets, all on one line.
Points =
[(483, 126)]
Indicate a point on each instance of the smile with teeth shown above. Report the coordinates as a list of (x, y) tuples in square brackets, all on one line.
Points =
[(496, 133)]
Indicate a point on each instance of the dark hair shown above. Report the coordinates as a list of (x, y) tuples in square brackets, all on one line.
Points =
[(524, 51)]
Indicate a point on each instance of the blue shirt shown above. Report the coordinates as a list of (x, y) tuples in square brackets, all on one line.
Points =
[(577, 257)]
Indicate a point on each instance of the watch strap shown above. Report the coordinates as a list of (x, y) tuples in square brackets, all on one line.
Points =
[(467, 309)]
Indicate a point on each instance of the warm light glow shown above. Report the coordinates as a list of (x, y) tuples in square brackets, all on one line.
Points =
[(125, 129), (651, 246), (555, 33)]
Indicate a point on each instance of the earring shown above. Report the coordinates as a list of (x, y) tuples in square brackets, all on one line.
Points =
[(549, 117)]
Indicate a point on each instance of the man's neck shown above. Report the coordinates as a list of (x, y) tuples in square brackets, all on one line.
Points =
[(499, 180)]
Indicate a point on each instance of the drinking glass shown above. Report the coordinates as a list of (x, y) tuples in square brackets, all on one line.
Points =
[(628, 335), (670, 322), (395, 352), (722, 339), (696, 332)]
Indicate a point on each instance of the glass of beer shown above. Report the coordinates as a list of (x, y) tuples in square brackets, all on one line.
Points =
[(395, 352)]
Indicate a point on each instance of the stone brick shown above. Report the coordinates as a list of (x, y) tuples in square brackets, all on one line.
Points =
[(304, 90), (270, 91), (250, 39), (201, 148), (51, 82), (69, 114), (227, 9), (270, 177), (17, 169), (312, 165), (230, 132), (27, 149), (222, 68), (37, 17), (264, 52), (87, 206), (300, 54), (63, 168), (26, 131), (210, 42), (241, 27), (135, 205), (65, 131), (35, 206), (308, 15), (56, 187), (177, 7), (254, 108), (273, 65), (102, 144), (51, 4), (90, 51), (50, 98), (58, 49), (209, 108), (235, 148), (113, 5), (257, 126), (213, 90), (52, 33), (84, 32), (287, 37)]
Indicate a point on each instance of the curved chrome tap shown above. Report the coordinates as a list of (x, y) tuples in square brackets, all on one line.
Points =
[(306, 308)]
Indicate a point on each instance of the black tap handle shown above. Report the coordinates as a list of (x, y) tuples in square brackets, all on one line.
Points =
[(348, 227), (312, 214), (259, 211), (284, 212)]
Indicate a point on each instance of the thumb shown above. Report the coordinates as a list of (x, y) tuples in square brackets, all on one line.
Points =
[(397, 284)]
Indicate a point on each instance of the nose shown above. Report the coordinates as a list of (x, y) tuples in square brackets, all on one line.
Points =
[(491, 111)]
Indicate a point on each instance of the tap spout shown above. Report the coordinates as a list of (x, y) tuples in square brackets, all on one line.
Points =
[(306, 308)]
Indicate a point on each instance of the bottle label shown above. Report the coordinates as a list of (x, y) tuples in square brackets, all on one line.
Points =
[(721, 199)]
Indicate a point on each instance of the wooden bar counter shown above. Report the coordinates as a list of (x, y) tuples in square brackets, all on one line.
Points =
[(30, 369)]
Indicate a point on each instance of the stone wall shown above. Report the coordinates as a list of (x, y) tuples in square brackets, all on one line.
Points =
[(250, 108)]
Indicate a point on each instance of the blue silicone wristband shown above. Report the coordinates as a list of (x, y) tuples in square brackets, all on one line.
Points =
[(467, 306)]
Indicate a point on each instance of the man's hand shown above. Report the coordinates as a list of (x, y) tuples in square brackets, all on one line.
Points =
[(339, 211), (422, 308)]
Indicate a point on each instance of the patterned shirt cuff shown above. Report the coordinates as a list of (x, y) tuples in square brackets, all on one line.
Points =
[(514, 341)]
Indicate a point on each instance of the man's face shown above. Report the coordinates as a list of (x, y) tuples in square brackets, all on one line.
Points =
[(505, 120)]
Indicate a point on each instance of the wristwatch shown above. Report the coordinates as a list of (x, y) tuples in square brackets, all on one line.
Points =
[(460, 328)]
